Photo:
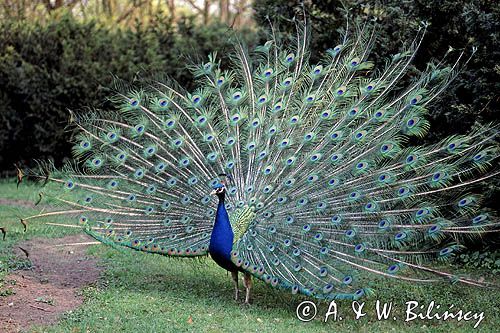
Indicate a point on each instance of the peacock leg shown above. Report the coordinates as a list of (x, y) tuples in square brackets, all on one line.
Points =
[(247, 282), (234, 275)]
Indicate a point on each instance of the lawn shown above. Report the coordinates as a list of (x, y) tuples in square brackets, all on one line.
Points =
[(149, 293)]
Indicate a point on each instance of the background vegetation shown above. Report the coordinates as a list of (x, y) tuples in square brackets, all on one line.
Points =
[(57, 55), (60, 56)]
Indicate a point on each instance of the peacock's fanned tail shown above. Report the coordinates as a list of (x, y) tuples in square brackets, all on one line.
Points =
[(324, 192)]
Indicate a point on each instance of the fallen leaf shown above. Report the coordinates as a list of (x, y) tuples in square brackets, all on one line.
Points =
[(190, 320)]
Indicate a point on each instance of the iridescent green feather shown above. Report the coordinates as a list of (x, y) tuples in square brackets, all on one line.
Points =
[(241, 219)]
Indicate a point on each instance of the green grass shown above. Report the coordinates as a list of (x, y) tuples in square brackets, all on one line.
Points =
[(10, 219), (148, 293)]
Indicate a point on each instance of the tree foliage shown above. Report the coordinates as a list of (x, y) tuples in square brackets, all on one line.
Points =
[(124, 13)]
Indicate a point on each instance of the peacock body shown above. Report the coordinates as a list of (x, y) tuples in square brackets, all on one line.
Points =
[(316, 187), (222, 237)]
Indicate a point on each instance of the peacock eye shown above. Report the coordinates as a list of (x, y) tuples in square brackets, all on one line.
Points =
[(478, 157)]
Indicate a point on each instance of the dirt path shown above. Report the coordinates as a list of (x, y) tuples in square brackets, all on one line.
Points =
[(52, 286)]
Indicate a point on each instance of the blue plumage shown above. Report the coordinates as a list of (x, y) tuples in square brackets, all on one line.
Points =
[(221, 240)]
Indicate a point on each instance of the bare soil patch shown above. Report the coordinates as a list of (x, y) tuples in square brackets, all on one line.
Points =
[(51, 287)]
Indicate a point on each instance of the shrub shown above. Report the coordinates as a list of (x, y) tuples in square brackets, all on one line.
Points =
[(47, 69)]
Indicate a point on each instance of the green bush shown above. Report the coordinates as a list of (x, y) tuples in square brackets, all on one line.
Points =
[(47, 69)]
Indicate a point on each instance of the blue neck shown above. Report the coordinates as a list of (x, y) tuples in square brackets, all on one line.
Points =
[(221, 241)]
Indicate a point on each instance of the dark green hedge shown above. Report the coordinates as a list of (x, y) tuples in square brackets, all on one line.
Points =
[(46, 70)]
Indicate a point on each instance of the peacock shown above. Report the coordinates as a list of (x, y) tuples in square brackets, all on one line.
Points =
[(307, 176)]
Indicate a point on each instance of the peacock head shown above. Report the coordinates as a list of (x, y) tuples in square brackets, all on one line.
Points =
[(220, 187), (219, 190)]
